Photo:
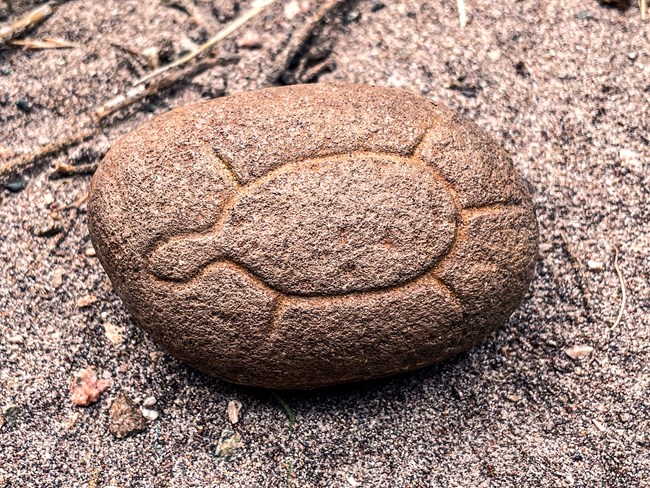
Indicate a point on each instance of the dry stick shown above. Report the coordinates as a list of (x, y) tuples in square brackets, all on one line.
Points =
[(462, 13), (65, 169), (141, 91), (257, 7), (623, 292), (25, 23), (45, 43), (28, 160), (298, 42), (644, 9)]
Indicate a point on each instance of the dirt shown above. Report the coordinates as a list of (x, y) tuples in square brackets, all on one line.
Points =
[(563, 85)]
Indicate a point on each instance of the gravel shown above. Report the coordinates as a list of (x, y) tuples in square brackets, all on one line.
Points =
[(563, 85)]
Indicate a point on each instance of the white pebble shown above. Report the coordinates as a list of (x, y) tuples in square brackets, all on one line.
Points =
[(494, 55), (150, 401), (234, 407), (291, 9), (352, 482), (149, 414), (577, 352), (595, 265)]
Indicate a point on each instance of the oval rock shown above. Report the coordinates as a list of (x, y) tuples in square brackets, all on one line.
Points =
[(311, 235)]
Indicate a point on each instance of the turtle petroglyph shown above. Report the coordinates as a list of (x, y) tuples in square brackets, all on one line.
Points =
[(310, 235)]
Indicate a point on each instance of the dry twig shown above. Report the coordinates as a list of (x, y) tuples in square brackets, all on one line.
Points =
[(25, 23), (619, 273), (65, 169), (45, 43), (298, 42), (28, 160), (257, 7), (139, 92), (644, 9)]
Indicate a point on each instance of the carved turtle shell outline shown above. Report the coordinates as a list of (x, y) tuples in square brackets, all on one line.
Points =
[(185, 257), (194, 269)]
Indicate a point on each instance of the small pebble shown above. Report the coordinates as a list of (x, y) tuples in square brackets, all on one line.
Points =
[(48, 228), (627, 154), (545, 247), (632, 56), (352, 17), (514, 398), (250, 40), (15, 186), (229, 443), (86, 388), (234, 407), (11, 414), (24, 105), (114, 333), (494, 55), (48, 199), (291, 9), (57, 278), (149, 414), (86, 301), (599, 425), (579, 351), (595, 265), (377, 6), (150, 401), (151, 55), (351, 481), (16, 339), (90, 252), (124, 418)]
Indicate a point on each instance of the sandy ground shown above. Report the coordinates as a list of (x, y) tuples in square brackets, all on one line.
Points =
[(563, 84)]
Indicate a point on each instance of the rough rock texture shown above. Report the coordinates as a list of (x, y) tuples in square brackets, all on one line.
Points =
[(311, 235)]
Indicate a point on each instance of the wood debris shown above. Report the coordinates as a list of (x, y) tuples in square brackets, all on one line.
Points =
[(291, 56), (45, 43), (25, 23), (258, 7)]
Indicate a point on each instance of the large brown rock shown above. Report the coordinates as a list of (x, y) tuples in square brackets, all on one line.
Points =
[(311, 235)]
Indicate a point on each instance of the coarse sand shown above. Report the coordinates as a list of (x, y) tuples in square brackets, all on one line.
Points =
[(564, 85)]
